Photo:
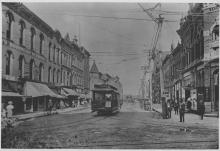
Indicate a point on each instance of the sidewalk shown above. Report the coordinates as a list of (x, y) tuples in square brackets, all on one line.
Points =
[(190, 118), (45, 113)]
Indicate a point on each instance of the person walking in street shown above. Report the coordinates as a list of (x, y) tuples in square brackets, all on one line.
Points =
[(182, 110)]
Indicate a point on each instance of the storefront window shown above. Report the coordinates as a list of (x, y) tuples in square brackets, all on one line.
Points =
[(28, 105)]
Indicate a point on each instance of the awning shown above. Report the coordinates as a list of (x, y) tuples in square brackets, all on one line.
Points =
[(38, 89), (58, 95), (8, 94), (68, 92)]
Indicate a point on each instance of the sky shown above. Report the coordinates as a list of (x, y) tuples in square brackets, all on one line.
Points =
[(118, 45)]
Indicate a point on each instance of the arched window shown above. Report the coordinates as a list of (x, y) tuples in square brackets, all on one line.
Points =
[(10, 18), (49, 73), (32, 38), (49, 50), (22, 27), (41, 42), (41, 71), (54, 71), (9, 62), (32, 65), (21, 66)]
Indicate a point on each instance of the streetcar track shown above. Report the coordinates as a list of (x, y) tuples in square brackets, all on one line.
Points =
[(63, 125), (121, 143)]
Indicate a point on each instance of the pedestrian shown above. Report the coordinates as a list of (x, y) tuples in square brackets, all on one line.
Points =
[(176, 107), (202, 109), (9, 109), (182, 110), (50, 106), (169, 108)]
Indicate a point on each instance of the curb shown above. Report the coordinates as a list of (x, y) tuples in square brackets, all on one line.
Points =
[(153, 109), (46, 114), (211, 115)]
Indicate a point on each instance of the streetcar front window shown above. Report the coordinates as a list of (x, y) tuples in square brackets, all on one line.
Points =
[(99, 97)]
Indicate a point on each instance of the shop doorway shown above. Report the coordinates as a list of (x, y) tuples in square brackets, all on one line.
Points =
[(216, 89)]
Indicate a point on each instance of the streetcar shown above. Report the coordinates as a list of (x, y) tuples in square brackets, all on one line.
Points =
[(105, 99)]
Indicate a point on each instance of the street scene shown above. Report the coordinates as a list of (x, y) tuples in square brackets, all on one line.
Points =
[(110, 75)]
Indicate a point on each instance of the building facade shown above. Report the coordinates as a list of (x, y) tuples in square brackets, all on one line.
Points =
[(35, 58), (191, 34), (194, 64), (211, 54)]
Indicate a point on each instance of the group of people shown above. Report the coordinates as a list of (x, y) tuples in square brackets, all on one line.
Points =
[(179, 108)]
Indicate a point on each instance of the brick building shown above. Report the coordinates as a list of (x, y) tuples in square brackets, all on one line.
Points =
[(211, 54), (194, 64), (35, 59)]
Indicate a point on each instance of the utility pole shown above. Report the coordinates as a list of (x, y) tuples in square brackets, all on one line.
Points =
[(153, 52)]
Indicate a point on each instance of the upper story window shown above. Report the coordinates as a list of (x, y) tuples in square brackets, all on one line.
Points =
[(41, 71), (22, 27), (54, 71), (21, 66), (9, 63), (49, 51), (54, 52), (49, 74), (33, 32), (58, 55), (10, 19), (41, 42), (58, 75), (32, 65)]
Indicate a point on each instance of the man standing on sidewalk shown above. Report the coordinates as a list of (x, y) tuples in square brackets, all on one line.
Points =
[(182, 110), (201, 109)]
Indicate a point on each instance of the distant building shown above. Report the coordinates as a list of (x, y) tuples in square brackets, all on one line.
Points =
[(156, 76), (97, 77)]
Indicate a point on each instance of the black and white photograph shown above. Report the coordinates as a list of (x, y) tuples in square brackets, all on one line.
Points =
[(110, 75)]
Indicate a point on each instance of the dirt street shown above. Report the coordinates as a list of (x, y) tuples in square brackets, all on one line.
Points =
[(132, 128)]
